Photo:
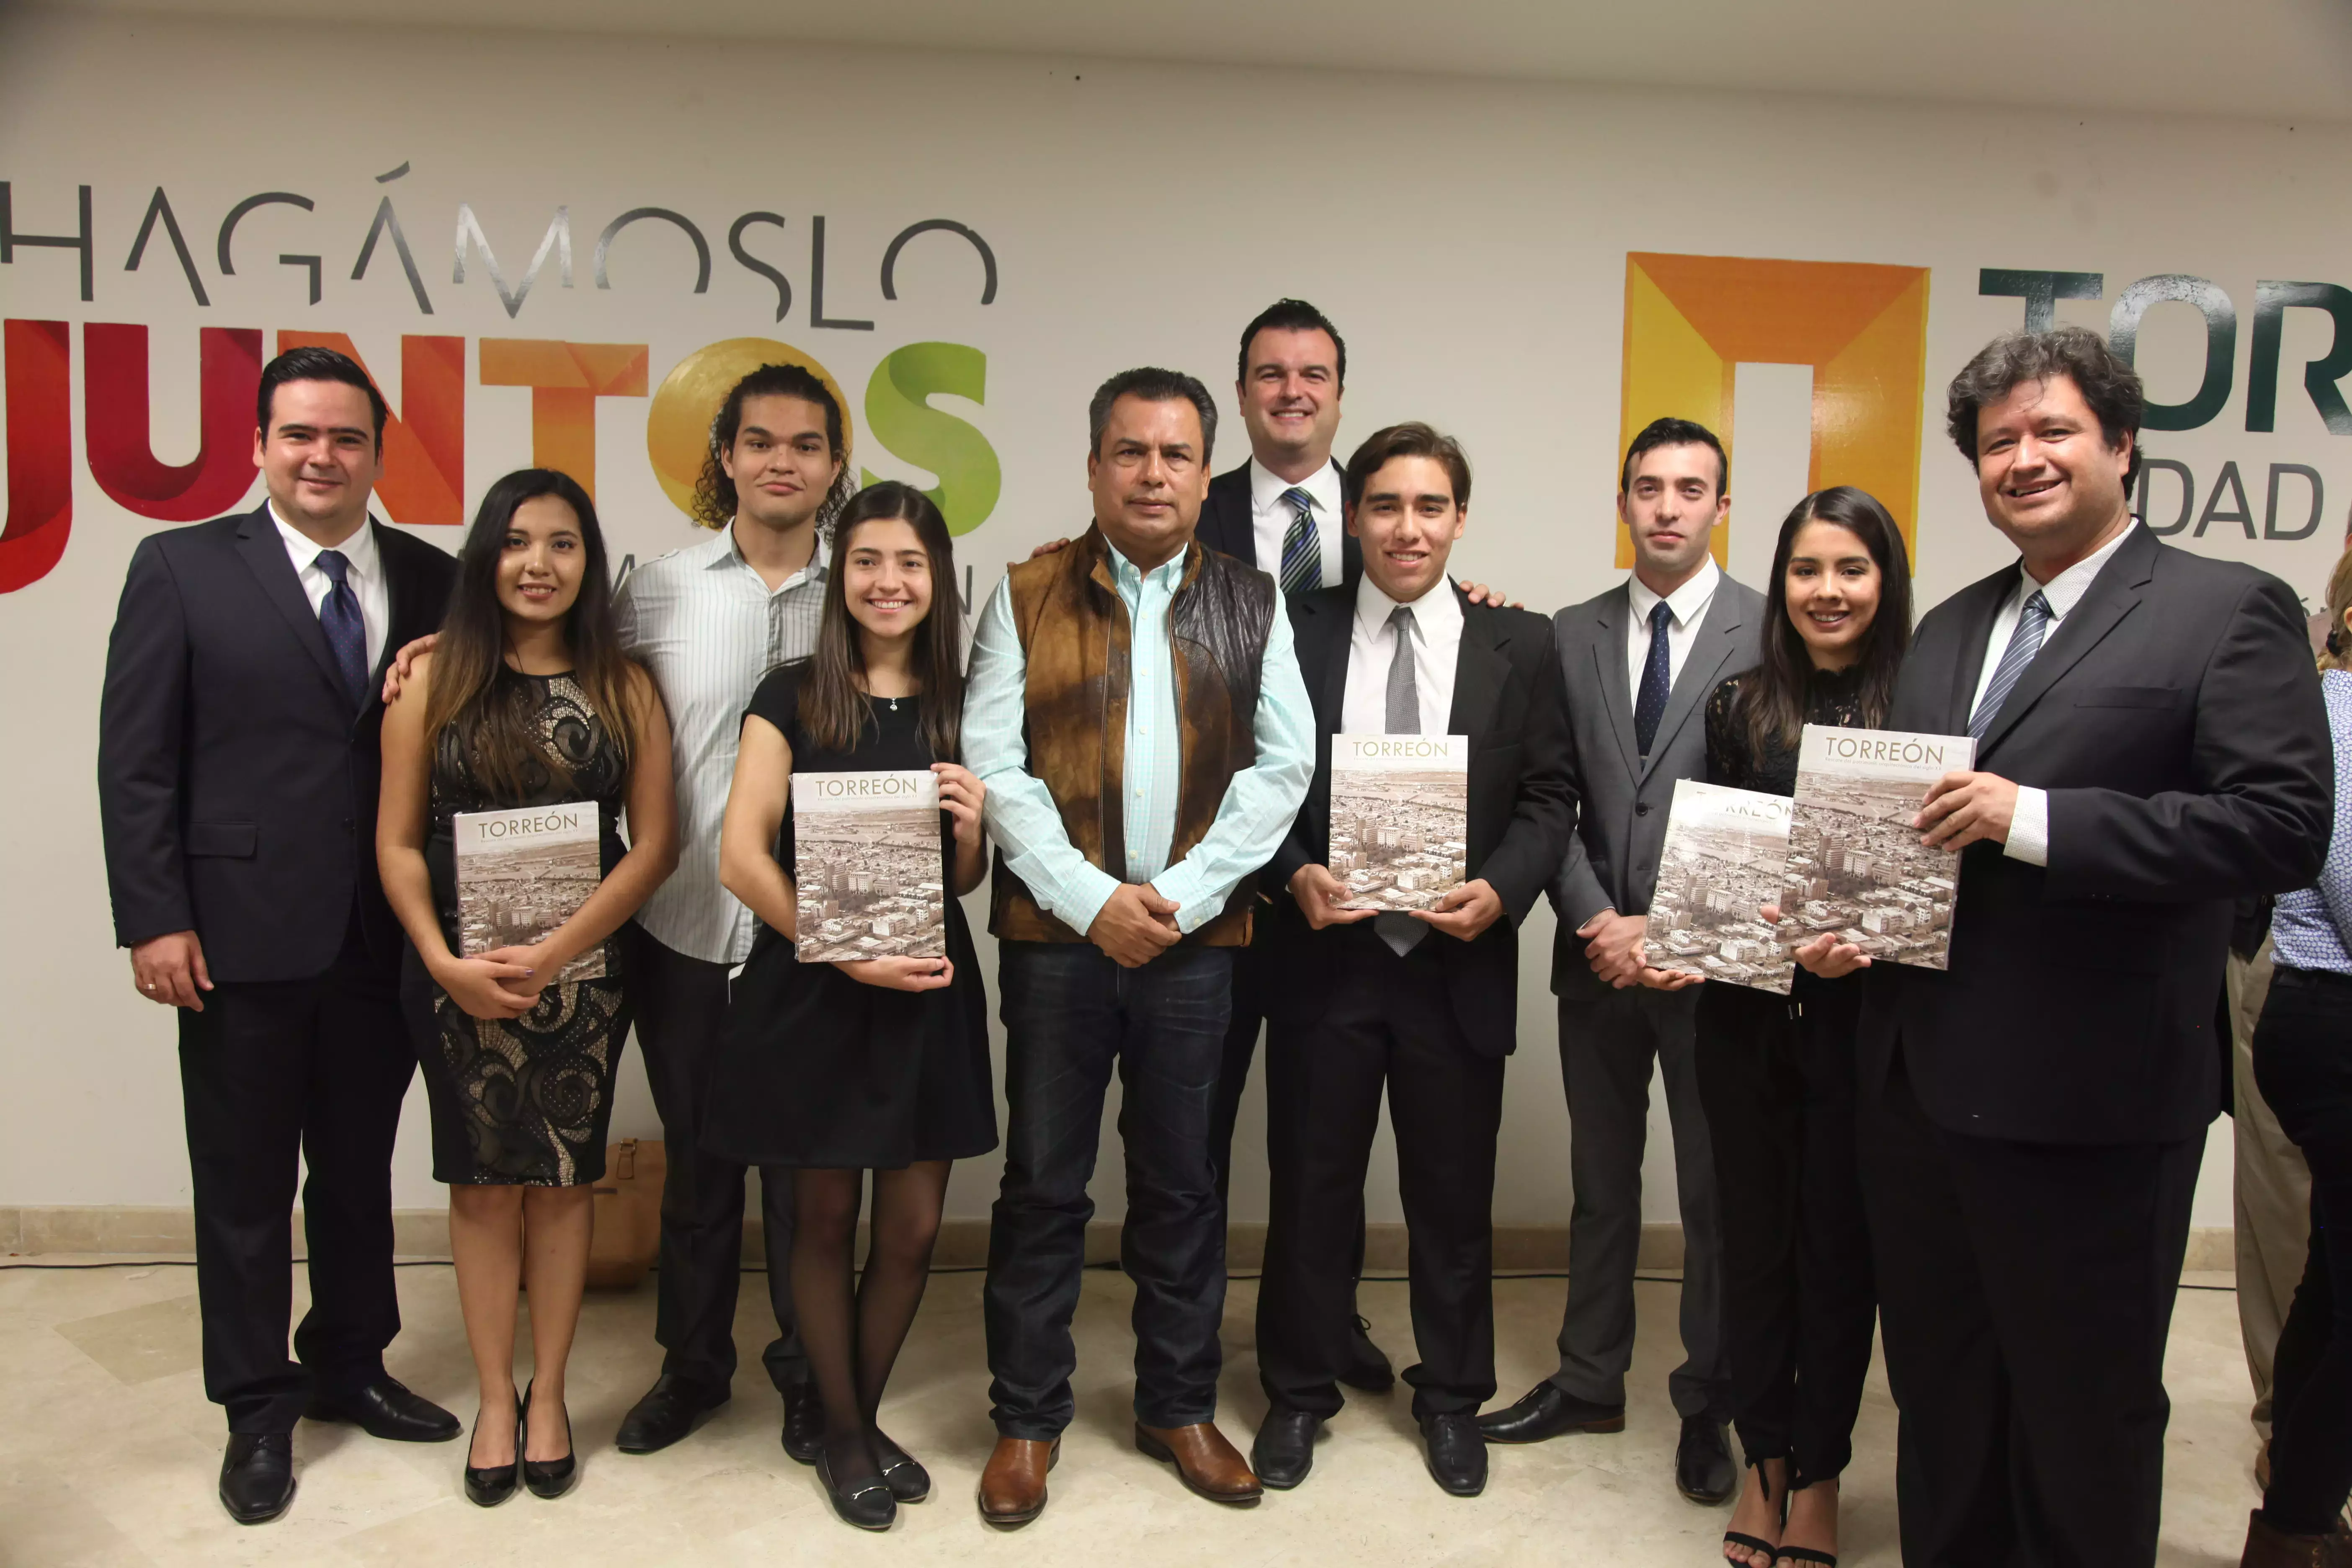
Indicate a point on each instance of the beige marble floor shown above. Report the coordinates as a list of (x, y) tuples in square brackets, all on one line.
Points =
[(111, 1454)]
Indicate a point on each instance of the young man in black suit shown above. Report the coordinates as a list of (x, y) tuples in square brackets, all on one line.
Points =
[(2150, 746), (238, 773), (1424, 1004)]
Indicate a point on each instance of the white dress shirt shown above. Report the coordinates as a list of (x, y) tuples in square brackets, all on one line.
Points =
[(2029, 825), (1687, 607), (1372, 649), (1270, 518), (365, 573)]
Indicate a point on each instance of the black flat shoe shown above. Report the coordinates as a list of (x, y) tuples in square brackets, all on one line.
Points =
[(1702, 1468), (1544, 1412), (901, 1471), (803, 1422), (1283, 1450), (866, 1501), (257, 1476), (1457, 1454), (385, 1408), (549, 1478), (1367, 1365), (486, 1486), (667, 1412)]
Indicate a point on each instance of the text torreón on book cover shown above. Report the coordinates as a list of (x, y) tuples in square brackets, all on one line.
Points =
[(1726, 854), (866, 867), (1400, 819), (522, 873), (1855, 863)]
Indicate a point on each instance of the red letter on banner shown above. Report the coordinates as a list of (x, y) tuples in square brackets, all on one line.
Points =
[(425, 444), (40, 453), (116, 414)]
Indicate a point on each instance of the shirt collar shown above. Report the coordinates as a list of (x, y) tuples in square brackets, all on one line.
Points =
[(358, 550), (1322, 488), (1687, 603), (724, 551), (1435, 613), (2065, 591), (1129, 576)]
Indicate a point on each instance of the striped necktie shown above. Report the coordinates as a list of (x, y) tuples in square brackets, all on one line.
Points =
[(2033, 624), (1302, 552)]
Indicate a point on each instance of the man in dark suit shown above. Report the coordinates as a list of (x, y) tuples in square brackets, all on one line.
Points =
[(2150, 746), (1424, 1004), (1637, 664), (237, 772)]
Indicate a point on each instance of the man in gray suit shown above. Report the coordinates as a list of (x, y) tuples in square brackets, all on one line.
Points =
[(1638, 663)]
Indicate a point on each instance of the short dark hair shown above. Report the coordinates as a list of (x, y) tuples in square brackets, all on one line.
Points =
[(2108, 384), (1411, 440), (317, 365), (1153, 385), (1288, 315), (714, 493), (1659, 433)]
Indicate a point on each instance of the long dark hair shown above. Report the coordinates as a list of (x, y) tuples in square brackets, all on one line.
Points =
[(1774, 704), (834, 706), (714, 493), (490, 722)]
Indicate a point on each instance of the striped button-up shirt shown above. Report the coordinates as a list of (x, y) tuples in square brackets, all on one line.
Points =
[(705, 622), (1021, 818)]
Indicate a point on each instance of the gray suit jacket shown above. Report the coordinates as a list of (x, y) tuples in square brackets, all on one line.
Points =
[(1621, 802)]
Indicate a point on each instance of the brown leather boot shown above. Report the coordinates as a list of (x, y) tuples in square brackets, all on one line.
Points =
[(2269, 1548), (1210, 1466), (1012, 1487)]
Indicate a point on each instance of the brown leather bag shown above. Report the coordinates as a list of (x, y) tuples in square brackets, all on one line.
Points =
[(628, 1215)]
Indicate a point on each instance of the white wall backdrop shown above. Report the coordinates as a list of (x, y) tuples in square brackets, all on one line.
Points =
[(1469, 237)]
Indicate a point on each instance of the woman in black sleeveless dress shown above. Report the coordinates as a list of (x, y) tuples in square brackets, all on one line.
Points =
[(526, 701), (1776, 1073), (832, 1069)]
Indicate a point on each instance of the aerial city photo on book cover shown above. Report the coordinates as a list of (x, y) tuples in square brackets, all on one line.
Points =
[(1725, 857), (1400, 819), (523, 872), (1855, 863), (867, 866)]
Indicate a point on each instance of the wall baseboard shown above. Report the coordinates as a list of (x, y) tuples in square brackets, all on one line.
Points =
[(165, 1232)]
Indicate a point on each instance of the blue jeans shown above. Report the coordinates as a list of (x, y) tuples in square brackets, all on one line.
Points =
[(1069, 1010)]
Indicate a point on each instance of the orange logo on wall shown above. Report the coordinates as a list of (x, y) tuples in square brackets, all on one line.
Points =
[(1690, 321)]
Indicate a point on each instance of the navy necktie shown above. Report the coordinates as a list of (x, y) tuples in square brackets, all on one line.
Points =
[(1657, 679), (339, 617)]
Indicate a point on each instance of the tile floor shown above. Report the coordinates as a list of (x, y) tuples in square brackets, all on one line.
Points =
[(113, 1457)]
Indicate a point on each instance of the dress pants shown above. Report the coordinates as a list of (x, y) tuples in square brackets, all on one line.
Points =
[(2025, 1292), (1390, 1023), (680, 1005), (1799, 1305), (2271, 1191), (273, 1072), (1609, 1041), (1071, 1013)]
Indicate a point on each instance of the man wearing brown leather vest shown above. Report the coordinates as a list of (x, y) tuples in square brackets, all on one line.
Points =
[(1136, 712)]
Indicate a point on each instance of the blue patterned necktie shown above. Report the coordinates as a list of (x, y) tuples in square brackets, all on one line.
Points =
[(2033, 625), (1657, 679), (1302, 551), (339, 617)]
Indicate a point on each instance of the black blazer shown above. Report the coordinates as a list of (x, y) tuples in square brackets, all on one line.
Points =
[(1225, 525), (236, 785), (1506, 699), (2175, 720)]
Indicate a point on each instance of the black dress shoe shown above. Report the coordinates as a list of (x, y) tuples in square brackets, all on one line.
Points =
[(1546, 1412), (486, 1486), (666, 1413), (549, 1478), (803, 1422), (901, 1471), (386, 1409), (1285, 1450), (1367, 1365), (1457, 1454), (862, 1501), (256, 1481), (1702, 1468)]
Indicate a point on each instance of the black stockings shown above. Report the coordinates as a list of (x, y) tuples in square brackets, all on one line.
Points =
[(853, 1337)]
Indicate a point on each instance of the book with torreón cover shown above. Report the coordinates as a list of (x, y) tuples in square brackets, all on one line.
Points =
[(523, 872), (1400, 819), (1855, 863), (1724, 860), (866, 868)]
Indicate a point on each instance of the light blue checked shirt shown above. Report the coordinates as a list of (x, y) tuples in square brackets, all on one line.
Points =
[(1027, 825), (2312, 928)]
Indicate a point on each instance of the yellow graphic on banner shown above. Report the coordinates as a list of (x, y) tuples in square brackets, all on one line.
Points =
[(1691, 321)]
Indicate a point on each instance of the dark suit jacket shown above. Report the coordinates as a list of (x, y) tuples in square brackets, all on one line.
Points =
[(236, 784), (1225, 525), (2175, 718), (1507, 699), (1622, 801)]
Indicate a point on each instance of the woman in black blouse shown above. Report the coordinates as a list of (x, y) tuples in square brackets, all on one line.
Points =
[(1776, 1073)]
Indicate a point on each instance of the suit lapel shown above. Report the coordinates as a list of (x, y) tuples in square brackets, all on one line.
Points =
[(1480, 669), (1616, 687), (265, 556), (1332, 637), (1976, 628), (2113, 593), (1702, 667)]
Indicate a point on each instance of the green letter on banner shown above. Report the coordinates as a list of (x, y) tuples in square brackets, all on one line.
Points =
[(901, 418)]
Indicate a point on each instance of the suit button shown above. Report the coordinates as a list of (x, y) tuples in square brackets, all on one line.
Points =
[(1643, 809)]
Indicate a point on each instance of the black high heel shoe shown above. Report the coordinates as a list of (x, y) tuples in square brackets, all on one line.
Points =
[(1746, 1543), (864, 1501), (901, 1471), (488, 1486), (549, 1478)]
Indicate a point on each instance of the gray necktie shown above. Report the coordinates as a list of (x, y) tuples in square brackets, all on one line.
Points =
[(1399, 930)]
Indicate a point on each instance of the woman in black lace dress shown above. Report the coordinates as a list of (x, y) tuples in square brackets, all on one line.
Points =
[(1774, 1073), (525, 701)]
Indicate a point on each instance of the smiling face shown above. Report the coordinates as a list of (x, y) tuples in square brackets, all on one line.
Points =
[(2047, 476), (542, 561), (1672, 502), (318, 457), (1831, 586), (1408, 518), (782, 461), (1149, 476), (1290, 398), (885, 577)]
